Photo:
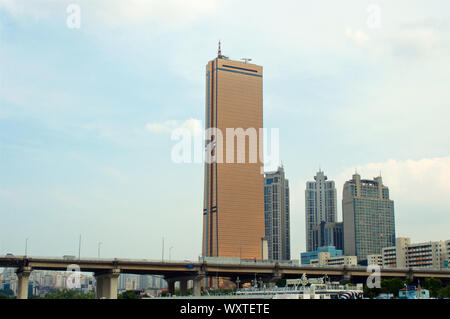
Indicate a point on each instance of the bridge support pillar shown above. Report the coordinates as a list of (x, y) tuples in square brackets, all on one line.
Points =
[(198, 282), (276, 275), (183, 287), (107, 284), (410, 275), (275, 278), (23, 275), (346, 278), (197, 286), (171, 287)]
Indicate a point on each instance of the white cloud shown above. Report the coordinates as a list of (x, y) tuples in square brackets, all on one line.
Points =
[(416, 42), (170, 12), (193, 125), (35, 9), (358, 36), (414, 39), (165, 127), (421, 181), (164, 14)]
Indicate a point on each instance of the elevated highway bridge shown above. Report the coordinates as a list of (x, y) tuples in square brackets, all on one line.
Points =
[(106, 271)]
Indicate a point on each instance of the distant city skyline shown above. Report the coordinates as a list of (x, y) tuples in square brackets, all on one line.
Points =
[(86, 115)]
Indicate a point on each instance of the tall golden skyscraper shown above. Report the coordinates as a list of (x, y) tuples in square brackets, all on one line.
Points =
[(233, 214)]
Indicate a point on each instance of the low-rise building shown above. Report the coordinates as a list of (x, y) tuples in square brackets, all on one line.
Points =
[(310, 255), (425, 255), (375, 260), (389, 257), (447, 249), (406, 255), (324, 259)]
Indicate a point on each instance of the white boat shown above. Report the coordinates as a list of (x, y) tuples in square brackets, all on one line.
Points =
[(316, 288)]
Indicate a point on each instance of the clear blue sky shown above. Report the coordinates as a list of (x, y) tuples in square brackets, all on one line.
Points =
[(77, 157)]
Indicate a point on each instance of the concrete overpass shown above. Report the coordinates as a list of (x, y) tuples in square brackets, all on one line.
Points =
[(107, 271)]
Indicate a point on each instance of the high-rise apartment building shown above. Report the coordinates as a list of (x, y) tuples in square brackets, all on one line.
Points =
[(368, 216), (320, 205), (276, 213), (233, 209)]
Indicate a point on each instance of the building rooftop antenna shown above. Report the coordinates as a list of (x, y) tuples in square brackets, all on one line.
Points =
[(219, 52)]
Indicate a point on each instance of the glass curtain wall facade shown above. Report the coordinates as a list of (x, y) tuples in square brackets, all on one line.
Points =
[(320, 205), (233, 206), (368, 216), (276, 213)]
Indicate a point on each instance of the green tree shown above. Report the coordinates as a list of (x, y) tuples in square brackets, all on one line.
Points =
[(409, 280), (392, 286), (6, 294), (433, 285), (69, 294), (444, 292), (371, 292), (129, 294)]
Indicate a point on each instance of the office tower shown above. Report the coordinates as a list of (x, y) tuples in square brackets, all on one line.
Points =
[(233, 214), (276, 214), (320, 205), (328, 234), (368, 216)]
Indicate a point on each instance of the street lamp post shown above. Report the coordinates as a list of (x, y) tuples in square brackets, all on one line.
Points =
[(162, 258), (79, 248)]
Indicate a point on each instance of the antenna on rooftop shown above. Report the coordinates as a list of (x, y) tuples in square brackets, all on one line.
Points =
[(219, 52)]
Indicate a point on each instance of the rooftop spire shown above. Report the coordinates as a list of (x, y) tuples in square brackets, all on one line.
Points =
[(219, 51)]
